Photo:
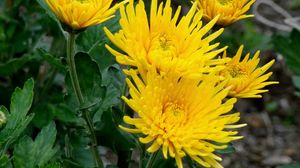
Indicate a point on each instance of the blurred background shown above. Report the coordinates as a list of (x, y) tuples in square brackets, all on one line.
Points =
[(272, 137)]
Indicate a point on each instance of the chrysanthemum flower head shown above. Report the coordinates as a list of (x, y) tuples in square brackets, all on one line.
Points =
[(245, 78), (164, 41), (181, 116), (79, 14), (230, 11)]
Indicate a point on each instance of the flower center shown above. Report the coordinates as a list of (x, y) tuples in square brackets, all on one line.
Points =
[(236, 71), (225, 2), (162, 47), (164, 42), (173, 109), (83, 1), (173, 113)]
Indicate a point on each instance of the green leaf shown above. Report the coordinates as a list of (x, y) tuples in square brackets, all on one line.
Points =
[(111, 166), (294, 4), (289, 48), (260, 41), (109, 133), (63, 113), (297, 94), (93, 41), (13, 65), (296, 81), (29, 153), (21, 101), (5, 161), (236, 35), (56, 62), (7, 18), (79, 153), (272, 106), (160, 161), (230, 149), (289, 166), (90, 83), (17, 120), (43, 115), (52, 165), (46, 112), (114, 81), (94, 37)]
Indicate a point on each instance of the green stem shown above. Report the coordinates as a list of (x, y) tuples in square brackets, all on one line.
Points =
[(72, 67), (151, 160), (76, 86), (141, 149)]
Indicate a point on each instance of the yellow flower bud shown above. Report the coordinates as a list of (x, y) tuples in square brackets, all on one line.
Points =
[(2, 118)]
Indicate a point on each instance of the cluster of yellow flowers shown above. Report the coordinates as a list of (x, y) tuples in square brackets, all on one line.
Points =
[(180, 87), (182, 90)]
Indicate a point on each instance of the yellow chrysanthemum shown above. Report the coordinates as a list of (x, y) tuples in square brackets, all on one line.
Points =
[(181, 116), (164, 41), (230, 11), (244, 78), (79, 14)]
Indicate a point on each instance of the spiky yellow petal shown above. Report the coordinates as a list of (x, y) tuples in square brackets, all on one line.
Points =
[(229, 11), (164, 41), (245, 78), (79, 14), (182, 116)]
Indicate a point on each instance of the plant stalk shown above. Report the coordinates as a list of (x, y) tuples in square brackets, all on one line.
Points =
[(72, 67), (76, 86), (151, 160)]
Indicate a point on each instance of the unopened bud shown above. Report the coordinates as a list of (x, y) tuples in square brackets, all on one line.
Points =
[(2, 118)]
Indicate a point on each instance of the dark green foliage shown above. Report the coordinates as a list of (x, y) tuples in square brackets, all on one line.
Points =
[(77, 152), (296, 82), (289, 48), (18, 117), (289, 166), (160, 161), (13, 65), (90, 82), (29, 153), (247, 34), (5, 161), (93, 40), (52, 60), (230, 149), (110, 135)]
